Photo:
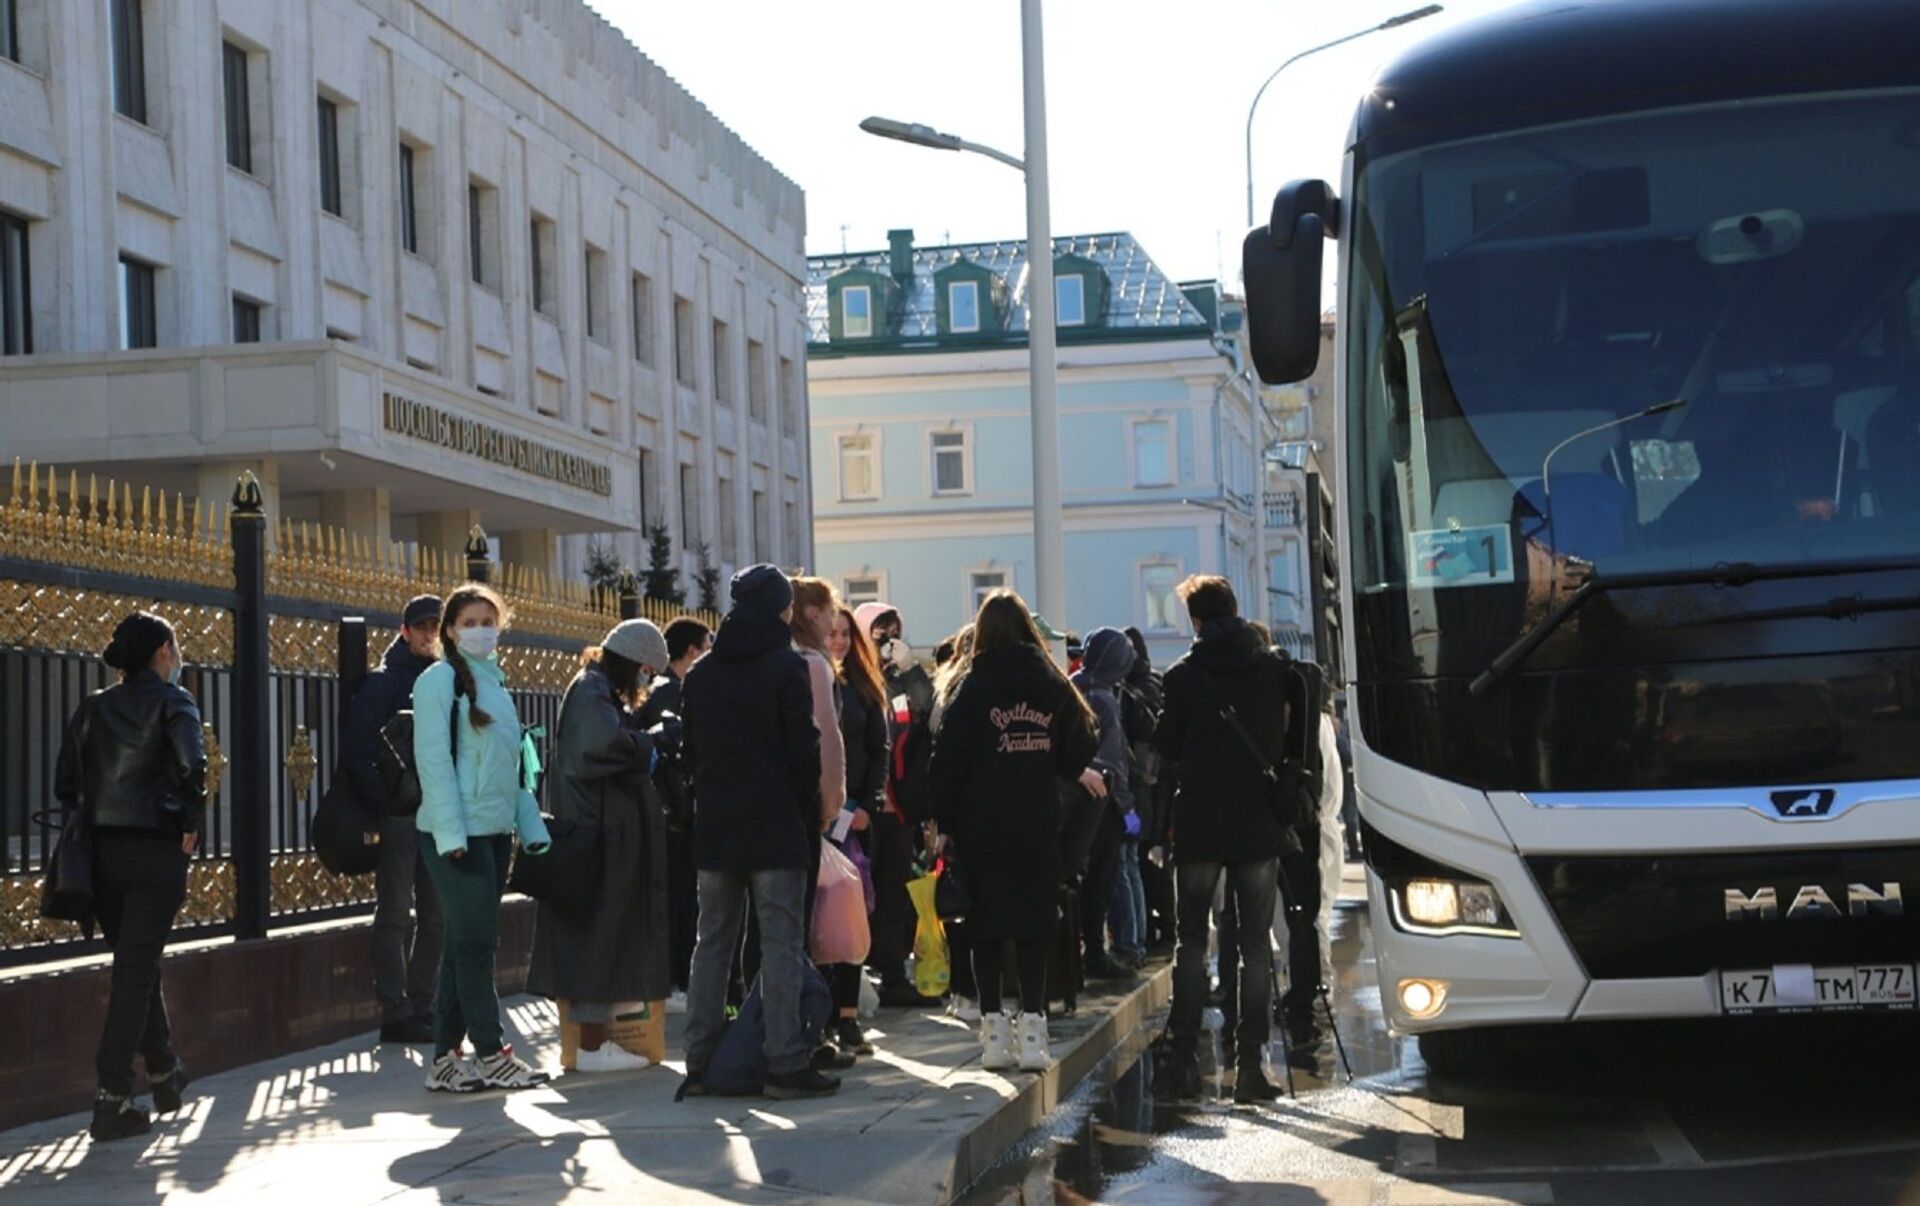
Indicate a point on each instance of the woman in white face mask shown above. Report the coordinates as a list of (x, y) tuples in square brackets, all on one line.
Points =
[(475, 795)]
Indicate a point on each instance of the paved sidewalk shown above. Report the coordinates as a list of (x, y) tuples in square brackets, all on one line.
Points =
[(351, 1123)]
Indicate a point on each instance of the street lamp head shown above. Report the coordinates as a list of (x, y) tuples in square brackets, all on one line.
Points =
[(1408, 18), (913, 132)]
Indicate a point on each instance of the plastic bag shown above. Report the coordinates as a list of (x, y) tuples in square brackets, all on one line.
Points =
[(932, 967), (840, 933)]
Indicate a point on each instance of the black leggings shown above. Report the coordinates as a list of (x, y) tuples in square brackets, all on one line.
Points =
[(1031, 963), (844, 979)]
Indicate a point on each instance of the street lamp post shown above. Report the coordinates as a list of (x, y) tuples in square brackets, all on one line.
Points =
[(1406, 18), (1049, 537)]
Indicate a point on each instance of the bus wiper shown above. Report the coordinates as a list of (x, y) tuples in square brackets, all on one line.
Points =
[(1727, 573)]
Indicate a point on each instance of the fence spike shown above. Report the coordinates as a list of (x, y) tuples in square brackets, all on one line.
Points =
[(73, 494), (13, 500), (179, 513)]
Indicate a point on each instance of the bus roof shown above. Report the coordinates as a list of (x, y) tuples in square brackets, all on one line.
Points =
[(1551, 61)]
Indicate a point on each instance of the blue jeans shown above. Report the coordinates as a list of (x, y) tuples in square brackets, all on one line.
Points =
[(1129, 905), (779, 903)]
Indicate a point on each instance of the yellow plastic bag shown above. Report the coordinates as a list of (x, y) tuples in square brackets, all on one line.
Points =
[(932, 967)]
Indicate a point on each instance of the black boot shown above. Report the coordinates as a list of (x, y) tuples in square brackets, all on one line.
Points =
[(848, 1036), (1180, 1080), (1251, 1087), (168, 1091), (117, 1118)]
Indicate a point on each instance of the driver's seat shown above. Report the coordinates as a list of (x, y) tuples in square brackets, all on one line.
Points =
[(1893, 455)]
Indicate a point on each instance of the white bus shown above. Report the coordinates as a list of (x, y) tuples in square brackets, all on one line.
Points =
[(1629, 378)]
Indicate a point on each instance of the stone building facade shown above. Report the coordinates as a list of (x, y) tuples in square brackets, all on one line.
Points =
[(420, 264)]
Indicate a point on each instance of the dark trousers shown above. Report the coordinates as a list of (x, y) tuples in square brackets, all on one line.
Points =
[(468, 1003), (406, 925), (1304, 974), (844, 980), (891, 853), (140, 882), (1096, 890), (1251, 886), (683, 906), (1157, 882), (1030, 962), (961, 981)]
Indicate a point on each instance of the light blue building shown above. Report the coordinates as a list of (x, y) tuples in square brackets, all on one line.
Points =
[(917, 377)]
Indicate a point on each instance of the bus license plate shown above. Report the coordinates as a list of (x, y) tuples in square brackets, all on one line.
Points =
[(1800, 987)]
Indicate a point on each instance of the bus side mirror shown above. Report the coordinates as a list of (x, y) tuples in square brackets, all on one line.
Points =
[(1280, 266)]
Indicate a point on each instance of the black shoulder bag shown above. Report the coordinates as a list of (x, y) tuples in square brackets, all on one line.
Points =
[(1283, 791)]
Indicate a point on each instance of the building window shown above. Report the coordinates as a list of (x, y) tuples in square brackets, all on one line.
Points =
[(762, 528), (409, 204), (1070, 300), (596, 264), (866, 588), (9, 31), (329, 115), (859, 468), (683, 341), (483, 233), (233, 69), (642, 319), (138, 322), (963, 307), (646, 489), (689, 507), (16, 288), (246, 320), (722, 364), (129, 60), (757, 381), (790, 524), (952, 474), (856, 311), (789, 404), (1153, 453), (980, 584), (1160, 607), (540, 238), (729, 533)]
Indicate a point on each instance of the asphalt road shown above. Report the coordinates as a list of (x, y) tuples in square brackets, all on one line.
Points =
[(1796, 1110)]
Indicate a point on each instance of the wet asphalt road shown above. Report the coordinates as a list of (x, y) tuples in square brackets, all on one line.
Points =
[(1798, 1110)]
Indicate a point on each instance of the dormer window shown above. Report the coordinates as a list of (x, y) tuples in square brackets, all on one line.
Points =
[(963, 307), (856, 311), (1070, 300)]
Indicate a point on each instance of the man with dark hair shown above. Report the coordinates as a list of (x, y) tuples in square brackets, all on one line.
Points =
[(1225, 721), (687, 642), (405, 966)]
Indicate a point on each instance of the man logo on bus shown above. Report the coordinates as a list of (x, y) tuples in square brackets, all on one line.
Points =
[(1811, 802)]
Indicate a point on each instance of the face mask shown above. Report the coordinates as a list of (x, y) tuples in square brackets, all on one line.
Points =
[(477, 642), (173, 673)]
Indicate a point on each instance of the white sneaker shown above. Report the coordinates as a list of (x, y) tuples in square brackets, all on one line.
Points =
[(965, 1008), (452, 1074), (610, 1057), (1030, 1036), (505, 1070), (996, 1042), (677, 1002)]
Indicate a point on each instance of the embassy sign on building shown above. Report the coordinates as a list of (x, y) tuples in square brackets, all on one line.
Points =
[(490, 443)]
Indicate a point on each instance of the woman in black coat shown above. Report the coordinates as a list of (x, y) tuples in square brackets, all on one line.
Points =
[(133, 769), (863, 730), (1015, 730)]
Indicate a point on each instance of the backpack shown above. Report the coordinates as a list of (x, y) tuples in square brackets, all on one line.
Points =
[(345, 830), (393, 760), (739, 1064), (1306, 697)]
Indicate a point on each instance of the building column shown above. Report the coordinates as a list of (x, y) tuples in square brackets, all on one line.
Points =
[(214, 482), (445, 532), (365, 513), (533, 548)]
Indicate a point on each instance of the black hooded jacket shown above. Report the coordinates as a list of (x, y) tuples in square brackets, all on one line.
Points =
[(747, 711), (133, 758), (1221, 813), (380, 697)]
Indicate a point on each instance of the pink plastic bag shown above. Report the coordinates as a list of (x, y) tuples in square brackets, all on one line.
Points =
[(840, 933)]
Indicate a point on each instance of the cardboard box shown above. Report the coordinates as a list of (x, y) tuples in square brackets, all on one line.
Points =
[(638, 1026)]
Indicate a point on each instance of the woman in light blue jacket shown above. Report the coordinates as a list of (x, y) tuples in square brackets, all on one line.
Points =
[(474, 797)]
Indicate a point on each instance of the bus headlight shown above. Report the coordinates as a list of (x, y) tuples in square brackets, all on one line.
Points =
[(1431, 905)]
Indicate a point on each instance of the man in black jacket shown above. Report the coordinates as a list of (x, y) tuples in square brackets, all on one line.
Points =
[(1225, 820), (687, 642), (750, 731), (404, 973)]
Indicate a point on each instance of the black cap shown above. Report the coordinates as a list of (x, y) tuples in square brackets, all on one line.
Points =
[(762, 588), (420, 609)]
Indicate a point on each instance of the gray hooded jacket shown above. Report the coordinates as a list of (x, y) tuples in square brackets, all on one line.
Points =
[(1109, 655)]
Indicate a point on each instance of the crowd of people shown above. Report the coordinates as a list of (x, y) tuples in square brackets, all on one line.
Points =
[(1081, 821)]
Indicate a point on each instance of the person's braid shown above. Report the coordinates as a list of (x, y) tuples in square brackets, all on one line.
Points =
[(463, 682)]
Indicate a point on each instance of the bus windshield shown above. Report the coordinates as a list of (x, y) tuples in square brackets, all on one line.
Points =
[(1661, 341)]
